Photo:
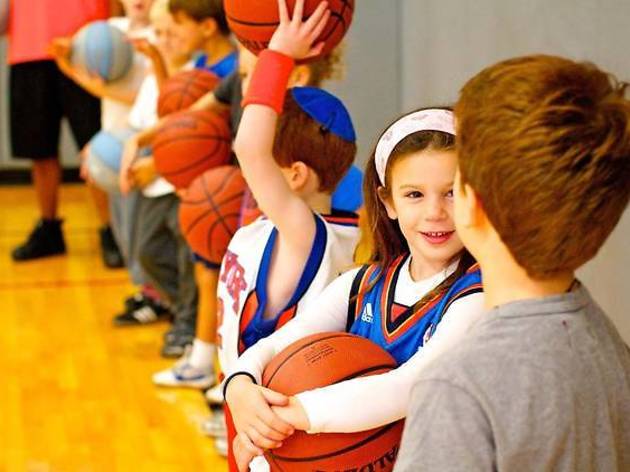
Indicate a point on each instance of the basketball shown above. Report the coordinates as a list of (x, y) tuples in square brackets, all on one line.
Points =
[(320, 360), (209, 211), (4, 16), (184, 89), (253, 22), (102, 49), (190, 143), (103, 160)]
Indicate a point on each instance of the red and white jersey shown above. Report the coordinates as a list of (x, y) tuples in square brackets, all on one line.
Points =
[(242, 289)]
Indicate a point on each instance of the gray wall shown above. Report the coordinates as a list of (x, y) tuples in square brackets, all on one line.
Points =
[(445, 42)]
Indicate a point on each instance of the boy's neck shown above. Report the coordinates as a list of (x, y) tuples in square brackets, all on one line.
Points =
[(506, 282), (217, 48), (319, 202)]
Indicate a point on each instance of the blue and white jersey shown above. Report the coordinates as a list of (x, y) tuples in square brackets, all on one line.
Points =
[(400, 330), (222, 68), (243, 280)]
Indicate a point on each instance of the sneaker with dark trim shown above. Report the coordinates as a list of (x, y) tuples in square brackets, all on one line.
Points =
[(46, 239), (148, 312)]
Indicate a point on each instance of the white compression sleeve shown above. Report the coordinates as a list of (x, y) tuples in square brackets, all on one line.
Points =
[(368, 402)]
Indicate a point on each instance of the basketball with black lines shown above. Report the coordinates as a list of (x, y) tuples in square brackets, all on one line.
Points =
[(182, 90), (189, 143), (209, 211), (317, 361), (253, 22)]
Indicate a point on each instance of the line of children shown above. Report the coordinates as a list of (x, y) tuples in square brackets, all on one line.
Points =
[(420, 295)]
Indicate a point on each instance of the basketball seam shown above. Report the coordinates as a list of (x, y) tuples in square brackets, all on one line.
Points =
[(367, 440)]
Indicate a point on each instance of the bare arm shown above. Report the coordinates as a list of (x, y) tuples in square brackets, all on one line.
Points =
[(254, 141)]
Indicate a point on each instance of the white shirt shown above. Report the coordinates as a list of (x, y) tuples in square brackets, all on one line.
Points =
[(115, 114)]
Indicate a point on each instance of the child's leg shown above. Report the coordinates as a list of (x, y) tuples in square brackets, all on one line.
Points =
[(196, 368), (186, 297)]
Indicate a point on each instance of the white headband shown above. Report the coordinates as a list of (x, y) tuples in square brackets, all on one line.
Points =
[(424, 120)]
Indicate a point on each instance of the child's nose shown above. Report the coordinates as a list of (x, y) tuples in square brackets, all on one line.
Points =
[(436, 209)]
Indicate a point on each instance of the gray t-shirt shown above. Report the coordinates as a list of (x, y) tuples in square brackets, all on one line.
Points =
[(539, 385)]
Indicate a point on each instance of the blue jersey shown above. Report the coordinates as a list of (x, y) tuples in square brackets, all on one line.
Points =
[(221, 68), (399, 329)]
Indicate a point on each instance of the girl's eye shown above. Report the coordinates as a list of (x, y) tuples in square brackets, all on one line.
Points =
[(449, 194), (414, 194)]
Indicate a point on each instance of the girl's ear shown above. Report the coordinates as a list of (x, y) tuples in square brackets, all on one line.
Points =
[(386, 199)]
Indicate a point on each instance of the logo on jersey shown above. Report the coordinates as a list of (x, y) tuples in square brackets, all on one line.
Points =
[(233, 276), (427, 335), (367, 315)]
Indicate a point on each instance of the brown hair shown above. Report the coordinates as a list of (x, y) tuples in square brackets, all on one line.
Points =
[(327, 67), (388, 240), (545, 144), (200, 10), (301, 138)]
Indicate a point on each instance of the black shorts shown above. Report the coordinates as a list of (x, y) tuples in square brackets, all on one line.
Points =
[(40, 96)]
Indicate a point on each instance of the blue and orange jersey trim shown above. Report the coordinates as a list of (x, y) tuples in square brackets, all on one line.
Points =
[(343, 218), (252, 324)]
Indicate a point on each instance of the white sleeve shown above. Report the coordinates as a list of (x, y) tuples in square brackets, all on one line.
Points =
[(368, 402), (328, 312)]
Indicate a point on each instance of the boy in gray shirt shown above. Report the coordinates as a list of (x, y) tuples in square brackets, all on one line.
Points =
[(542, 383)]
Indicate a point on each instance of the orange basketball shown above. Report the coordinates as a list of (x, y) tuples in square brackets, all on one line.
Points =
[(209, 211), (320, 360), (190, 143), (254, 21), (183, 89)]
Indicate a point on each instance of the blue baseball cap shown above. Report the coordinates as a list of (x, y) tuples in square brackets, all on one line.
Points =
[(325, 109)]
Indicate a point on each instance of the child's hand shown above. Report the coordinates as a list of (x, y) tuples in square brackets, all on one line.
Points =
[(130, 152), (142, 172), (244, 452), (295, 37), (60, 50), (144, 46), (293, 414), (250, 406)]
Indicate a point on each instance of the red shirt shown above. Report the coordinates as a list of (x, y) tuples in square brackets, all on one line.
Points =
[(33, 24)]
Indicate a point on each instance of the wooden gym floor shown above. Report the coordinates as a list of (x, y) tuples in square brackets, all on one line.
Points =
[(76, 393)]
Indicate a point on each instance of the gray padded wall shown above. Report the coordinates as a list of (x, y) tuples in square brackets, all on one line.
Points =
[(447, 41)]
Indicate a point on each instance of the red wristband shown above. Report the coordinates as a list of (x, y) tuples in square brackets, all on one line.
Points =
[(268, 84)]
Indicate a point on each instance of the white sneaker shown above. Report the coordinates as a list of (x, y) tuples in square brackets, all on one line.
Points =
[(214, 425), (221, 446), (182, 374), (214, 395)]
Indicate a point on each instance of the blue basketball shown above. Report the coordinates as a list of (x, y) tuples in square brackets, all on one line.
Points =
[(103, 160), (102, 49), (348, 195), (4, 16)]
